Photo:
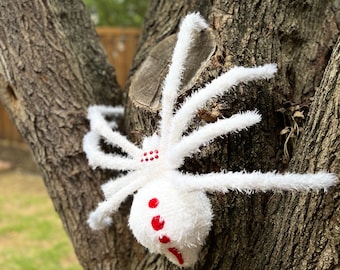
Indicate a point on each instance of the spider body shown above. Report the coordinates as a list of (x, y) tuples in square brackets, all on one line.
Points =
[(171, 213), (169, 226)]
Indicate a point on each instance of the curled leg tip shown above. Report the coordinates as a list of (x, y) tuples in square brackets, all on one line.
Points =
[(98, 222)]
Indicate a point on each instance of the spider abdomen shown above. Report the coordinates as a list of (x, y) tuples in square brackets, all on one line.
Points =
[(171, 221)]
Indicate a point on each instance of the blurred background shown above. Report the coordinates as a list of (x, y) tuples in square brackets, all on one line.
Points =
[(31, 234)]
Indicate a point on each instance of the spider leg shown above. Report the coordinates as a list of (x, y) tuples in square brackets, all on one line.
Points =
[(204, 134), (117, 111), (114, 185), (101, 217), (103, 128), (108, 110), (172, 81), (256, 181), (97, 158), (218, 86)]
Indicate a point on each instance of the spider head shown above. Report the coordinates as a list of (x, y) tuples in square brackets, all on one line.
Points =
[(169, 220), (150, 149)]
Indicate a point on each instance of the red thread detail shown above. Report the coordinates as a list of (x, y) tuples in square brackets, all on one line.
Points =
[(145, 153), (164, 239), (156, 151), (157, 223), (151, 158), (151, 152), (177, 254), (153, 203), (156, 156), (146, 159)]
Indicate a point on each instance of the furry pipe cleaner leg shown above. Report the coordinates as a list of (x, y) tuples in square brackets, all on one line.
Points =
[(171, 213)]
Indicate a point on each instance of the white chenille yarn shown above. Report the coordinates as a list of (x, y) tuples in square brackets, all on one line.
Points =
[(170, 213), (171, 218)]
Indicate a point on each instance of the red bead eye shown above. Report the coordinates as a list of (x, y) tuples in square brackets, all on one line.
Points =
[(150, 156), (153, 203), (157, 223), (164, 239)]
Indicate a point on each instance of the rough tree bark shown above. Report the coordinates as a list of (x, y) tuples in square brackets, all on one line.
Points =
[(52, 68)]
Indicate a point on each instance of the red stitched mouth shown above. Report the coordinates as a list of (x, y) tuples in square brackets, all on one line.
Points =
[(177, 254)]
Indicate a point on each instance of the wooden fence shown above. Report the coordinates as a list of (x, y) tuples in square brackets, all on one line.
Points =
[(8, 131), (120, 45)]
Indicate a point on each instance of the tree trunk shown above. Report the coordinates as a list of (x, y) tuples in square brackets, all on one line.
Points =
[(52, 68), (297, 36)]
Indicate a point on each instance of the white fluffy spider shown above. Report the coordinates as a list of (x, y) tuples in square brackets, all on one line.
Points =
[(170, 213)]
